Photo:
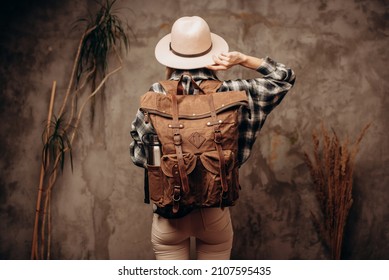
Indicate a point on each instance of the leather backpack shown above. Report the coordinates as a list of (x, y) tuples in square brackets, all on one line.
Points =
[(199, 142)]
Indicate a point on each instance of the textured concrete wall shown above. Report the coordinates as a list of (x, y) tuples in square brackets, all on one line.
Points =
[(338, 49)]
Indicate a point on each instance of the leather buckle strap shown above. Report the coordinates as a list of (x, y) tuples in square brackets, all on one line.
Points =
[(218, 141), (177, 139), (176, 198), (217, 137), (177, 193), (182, 169), (222, 168)]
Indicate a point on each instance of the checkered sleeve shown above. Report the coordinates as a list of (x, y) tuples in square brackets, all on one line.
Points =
[(138, 152), (264, 94), (139, 129)]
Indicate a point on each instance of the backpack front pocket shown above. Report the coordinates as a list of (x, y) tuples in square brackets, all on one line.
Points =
[(171, 177), (213, 194)]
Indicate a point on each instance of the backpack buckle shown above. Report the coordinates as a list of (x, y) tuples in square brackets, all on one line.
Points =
[(217, 137), (176, 194), (177, 139)]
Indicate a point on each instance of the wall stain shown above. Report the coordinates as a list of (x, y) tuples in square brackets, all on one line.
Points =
[(101, 228), (340, 60)]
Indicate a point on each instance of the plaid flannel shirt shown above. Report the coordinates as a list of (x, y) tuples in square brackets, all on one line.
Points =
[(264, 94)]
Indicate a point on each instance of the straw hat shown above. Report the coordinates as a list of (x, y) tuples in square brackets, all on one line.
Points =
[(190, 45)]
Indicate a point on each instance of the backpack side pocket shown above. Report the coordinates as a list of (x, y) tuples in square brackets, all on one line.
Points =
[(155, 183)]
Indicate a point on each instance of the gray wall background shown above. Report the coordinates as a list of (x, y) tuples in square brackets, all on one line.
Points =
[(339, 51)]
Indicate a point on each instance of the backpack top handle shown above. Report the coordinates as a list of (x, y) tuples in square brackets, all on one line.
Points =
[(180, 87)]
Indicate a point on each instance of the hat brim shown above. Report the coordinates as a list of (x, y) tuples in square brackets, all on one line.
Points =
[(166, 57)]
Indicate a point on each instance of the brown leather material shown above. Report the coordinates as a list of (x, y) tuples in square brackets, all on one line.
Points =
[(176, 196), (176, 199), (218, 141), (199, 139), (177, 143)]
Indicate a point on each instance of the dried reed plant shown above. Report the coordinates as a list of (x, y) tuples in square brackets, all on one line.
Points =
[(103, 36), (332, 168)]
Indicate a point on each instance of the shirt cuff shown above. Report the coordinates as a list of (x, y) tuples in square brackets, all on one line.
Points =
[(268, 65)]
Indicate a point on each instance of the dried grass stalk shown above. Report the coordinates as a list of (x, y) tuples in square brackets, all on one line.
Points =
[(92, 54), (332, 168)]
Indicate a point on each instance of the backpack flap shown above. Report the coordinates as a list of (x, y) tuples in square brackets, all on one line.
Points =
[(168, 162), (170, 169), (191, 106), (210, 160)]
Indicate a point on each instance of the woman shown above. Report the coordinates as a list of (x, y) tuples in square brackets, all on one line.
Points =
[(192, 51)]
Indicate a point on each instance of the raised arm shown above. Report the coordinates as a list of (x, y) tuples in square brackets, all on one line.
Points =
[(225, 61), (264, 92)]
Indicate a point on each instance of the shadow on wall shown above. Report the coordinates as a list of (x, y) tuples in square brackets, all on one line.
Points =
[(270, 216)]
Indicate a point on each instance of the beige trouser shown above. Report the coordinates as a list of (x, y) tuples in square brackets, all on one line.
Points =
[(211, 227)]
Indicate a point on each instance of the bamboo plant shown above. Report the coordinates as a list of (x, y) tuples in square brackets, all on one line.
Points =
[(332, 169), (102, 38)]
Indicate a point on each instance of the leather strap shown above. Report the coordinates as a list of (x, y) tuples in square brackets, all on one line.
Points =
[(180, 88), (177, 140), (146, 187), (176, 188), (218, 142), (181, 182)]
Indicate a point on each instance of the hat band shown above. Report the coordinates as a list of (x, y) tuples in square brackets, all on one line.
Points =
[(189, 55)]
